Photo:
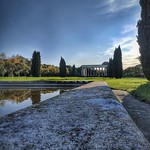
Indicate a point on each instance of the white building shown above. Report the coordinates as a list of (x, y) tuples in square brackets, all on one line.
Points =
[(94, 70)]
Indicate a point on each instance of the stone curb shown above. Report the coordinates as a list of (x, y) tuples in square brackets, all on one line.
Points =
[(88, 117), (40, 84)]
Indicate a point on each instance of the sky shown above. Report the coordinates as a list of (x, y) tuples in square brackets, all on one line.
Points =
[(81, 31)]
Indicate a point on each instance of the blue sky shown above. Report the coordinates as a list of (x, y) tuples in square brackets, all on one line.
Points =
[(81, 31)]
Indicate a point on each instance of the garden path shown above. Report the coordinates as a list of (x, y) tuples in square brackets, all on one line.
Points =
[(139, 111)]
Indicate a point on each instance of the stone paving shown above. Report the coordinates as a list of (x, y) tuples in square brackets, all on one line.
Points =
[(86, 118), (139, 111)]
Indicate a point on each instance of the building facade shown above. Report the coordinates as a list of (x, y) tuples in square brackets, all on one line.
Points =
[(94, 70)]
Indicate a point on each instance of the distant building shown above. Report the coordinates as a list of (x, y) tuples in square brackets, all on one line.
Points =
[(94, 70), (105, 63)]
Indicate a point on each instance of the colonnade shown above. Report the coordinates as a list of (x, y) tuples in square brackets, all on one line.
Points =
[(93, 70)]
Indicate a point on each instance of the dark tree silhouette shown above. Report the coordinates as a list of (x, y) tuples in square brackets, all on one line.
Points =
[(144, 37), (62, 67), (110, 68), (117, 61), (73, 71), (36, 64)]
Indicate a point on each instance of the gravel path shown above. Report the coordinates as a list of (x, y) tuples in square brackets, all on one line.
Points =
[(139, 111)]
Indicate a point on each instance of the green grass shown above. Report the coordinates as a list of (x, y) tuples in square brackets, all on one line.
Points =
[(50, 78), (35, 79), (127, 84), (139, 87)]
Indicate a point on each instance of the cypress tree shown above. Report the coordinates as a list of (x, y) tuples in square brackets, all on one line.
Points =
[(36, 64), (144, 37), (117, 63), (73, 71), (33, 64), (110, 69), (62, 67)]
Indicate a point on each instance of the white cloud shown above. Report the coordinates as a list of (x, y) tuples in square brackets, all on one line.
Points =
[(130, 57), (115, 6), (129, 28), (130, 50)]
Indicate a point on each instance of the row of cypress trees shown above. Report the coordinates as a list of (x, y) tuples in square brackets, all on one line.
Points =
[(36, 66), (63, 68), (115, 65)]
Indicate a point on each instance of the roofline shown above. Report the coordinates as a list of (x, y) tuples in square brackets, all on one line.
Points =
[(94, 65)]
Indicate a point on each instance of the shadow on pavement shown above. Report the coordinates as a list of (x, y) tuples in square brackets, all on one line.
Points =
[(139, 111)]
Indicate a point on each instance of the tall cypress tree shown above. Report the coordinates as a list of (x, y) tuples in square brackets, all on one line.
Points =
[(117, 63), (73, 71), (62, 67), (144, 37), (110, 68), (33, 64), (38, 69), (36, 64)]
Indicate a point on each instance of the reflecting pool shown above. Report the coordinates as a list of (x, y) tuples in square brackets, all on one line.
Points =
[(12, 100)]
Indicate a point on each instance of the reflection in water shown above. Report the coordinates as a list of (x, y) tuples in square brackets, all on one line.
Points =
[(14, 95), (12, 100), (35, 96)]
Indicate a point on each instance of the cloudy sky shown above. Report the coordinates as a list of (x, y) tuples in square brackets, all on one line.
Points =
[(81, 31)]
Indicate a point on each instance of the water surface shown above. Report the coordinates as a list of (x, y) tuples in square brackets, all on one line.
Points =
[(12, 100)]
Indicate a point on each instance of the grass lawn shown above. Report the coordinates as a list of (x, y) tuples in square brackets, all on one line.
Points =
[(49, 79), (139, 87)]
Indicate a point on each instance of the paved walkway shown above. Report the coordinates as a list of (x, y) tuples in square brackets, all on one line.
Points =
[(139, 111), (89, 117)]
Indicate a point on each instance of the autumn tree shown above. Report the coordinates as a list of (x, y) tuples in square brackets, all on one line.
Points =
[(2, 64), (10, 67), (21, 69), (144, 37), (49, 70)]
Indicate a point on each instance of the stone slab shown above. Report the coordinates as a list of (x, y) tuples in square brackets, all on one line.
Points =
[(89, 117), (138, 110)]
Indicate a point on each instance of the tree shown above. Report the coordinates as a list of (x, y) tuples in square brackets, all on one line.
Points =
[(78, 72), (135, 71), (62, 67), (69, 70), (73, 71), (2, 64), (10, 67), (49, 70), (2, 56), (2, 68), (21, 68), (110, 68), (144, 37), (36, 64), (117, 63)]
